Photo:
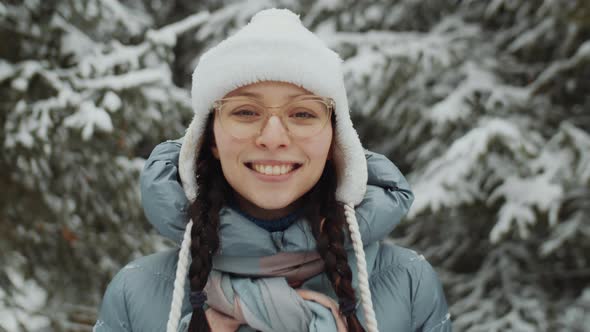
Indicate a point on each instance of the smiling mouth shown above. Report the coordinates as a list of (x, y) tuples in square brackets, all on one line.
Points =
[(273, 169)]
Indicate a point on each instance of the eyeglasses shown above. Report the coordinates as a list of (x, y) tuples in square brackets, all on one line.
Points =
[(244, 117)]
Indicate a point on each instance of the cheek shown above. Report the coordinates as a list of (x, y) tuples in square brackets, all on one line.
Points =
[(319, 148), (223, 144)]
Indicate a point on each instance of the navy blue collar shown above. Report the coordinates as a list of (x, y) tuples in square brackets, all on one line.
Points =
[(271, 225)]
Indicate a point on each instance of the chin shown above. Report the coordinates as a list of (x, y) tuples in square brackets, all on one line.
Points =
[(272, 204), (272, 201)]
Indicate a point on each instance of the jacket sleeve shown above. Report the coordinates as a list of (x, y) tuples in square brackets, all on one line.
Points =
[(429, 308), (113, 316)]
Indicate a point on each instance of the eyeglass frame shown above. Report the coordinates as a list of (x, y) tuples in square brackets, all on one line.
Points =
[(329, 102)]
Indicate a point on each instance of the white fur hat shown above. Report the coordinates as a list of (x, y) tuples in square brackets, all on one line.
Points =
[(275, 46)]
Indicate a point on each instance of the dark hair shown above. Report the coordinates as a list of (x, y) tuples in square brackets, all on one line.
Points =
[(320, 203)]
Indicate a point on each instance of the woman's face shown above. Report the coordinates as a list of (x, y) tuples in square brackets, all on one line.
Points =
[(244, 161)]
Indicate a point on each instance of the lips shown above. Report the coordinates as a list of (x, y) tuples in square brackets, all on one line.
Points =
[(273, 168)]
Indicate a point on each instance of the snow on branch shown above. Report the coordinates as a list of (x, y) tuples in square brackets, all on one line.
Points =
[(18, 309), (445, 181), (6, 70), (499, 296), (558, 67), (435, 46), (477, 79), (73, 41), (100, 63), (129, 80), (133, 21), (523, 197), (167, 35), (580, 140), (576, 317), (531, 36), (89, 117), (563, 232)]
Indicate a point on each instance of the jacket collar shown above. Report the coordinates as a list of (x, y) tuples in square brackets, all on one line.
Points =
[(242, 237)]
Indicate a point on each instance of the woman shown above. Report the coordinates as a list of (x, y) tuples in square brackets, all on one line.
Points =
[(273, 171)]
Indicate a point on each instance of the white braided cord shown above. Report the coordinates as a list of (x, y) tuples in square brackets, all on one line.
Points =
[(181, 268), (361, 264)]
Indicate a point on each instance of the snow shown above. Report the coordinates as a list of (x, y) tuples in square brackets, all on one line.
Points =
[(444, 182), (435, 46), (99, 63), (373, 13), (27, 69), (168, 34), (111, 101), (522, 196), (557, 67), (455, 105), (531, 36), (89, 117), (128, 80), (73, 40), (539, 191), (563, 232), (20, 309), (577, 314), (580, 140), (493, 7), (6, 70), (238, 14), (133, 21), (133, 165), (364, 64)]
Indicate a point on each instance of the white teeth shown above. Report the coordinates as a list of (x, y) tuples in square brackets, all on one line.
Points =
[(273, 170)]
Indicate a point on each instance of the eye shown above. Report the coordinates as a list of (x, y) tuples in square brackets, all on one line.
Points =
[(245, 113), (303, 114)]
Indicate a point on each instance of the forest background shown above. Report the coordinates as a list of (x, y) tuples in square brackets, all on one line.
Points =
[(484, 105)]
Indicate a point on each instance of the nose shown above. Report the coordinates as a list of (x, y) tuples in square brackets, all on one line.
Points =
[(273, 135)]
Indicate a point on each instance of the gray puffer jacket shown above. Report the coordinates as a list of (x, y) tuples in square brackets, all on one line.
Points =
[(406, 292)]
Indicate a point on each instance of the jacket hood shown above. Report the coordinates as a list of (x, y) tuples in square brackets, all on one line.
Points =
[(386, 201)]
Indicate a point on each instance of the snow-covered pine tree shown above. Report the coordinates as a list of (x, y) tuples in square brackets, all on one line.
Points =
[(469, 98), (86, 87), (483, 103)]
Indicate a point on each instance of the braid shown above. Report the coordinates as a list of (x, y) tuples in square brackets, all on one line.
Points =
[(329, 234), (204, 212)]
